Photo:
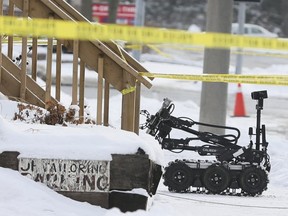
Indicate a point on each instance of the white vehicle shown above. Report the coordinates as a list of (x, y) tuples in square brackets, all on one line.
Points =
[(194, 28), (253, 30)]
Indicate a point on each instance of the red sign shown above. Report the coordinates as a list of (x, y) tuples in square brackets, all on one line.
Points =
[(125, 13)]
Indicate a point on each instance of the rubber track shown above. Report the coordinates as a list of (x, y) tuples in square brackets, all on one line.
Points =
[(197, 172)]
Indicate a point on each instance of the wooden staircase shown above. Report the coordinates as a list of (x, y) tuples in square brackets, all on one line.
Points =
[(115, 67)]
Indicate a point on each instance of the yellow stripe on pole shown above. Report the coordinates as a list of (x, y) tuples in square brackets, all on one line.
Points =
[(226, 78), (87, 31)]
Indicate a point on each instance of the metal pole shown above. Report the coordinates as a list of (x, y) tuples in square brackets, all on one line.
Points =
[(139, 21), (113, 7), (214, 95), (241, 23), (86, 9)]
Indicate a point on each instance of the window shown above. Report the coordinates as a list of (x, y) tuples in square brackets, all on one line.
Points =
[(256, 31)]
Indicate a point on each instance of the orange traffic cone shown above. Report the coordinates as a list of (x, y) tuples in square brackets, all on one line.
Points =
[(239, 108)]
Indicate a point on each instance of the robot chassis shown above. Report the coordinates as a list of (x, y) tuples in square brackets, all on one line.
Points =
[(236, 170)]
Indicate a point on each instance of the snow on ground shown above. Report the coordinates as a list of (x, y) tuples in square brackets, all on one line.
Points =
[(22, 196)]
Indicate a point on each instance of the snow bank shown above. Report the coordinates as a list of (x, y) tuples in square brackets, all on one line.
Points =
[(84, 142), (22, 196)]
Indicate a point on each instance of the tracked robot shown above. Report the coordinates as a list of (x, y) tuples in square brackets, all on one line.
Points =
[(236, 170)]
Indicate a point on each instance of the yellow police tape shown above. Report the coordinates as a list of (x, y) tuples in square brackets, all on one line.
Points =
[(226, 78), (128, 90), (87, 31), (248, 52)]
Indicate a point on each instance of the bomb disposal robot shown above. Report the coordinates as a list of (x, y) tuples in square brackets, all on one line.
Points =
[(237, 169)]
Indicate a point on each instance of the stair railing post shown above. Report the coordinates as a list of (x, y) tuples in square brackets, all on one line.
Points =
[(34, 57), (49, 60), (10, 38), (106, 102), (100, 90), (82, 91), (75, 72), (58, 69), (24, 55)]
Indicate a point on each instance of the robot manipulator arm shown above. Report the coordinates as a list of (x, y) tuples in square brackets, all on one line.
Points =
[(183, 144), (163, 135), (161, 124)]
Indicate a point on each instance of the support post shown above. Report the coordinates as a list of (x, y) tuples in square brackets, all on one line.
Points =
[(34, 57), (86, 9), (10, 38), (75, 71), (241, 23), (24, 55), (139, 21), (82, 91), (58, 70), (214, 95), (113, 6), (128, 112), (128, 104), (137, 107), (100, 90), (48, 72), (106, 103)]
